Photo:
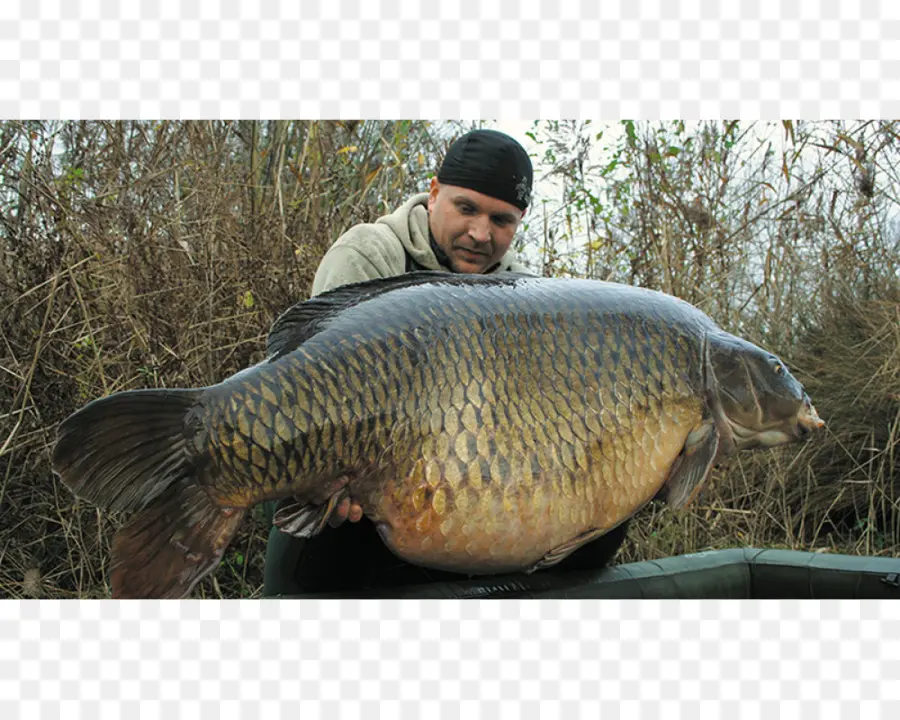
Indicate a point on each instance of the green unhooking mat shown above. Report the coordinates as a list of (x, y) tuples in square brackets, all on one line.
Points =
[(742, 573)]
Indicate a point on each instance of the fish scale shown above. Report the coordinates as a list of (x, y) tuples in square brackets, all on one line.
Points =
[(555, 456), (484, 424)]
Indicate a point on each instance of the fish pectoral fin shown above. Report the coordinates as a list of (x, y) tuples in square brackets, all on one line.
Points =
[(691, 469), (304, 520), (560, 553)]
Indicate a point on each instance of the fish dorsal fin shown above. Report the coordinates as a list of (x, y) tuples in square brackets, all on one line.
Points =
[(302, 321)]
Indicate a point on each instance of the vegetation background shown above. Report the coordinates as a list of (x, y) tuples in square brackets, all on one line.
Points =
[(150, 254)]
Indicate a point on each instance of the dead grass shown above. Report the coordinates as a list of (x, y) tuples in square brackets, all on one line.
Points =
[(156, 255), (164, 262)]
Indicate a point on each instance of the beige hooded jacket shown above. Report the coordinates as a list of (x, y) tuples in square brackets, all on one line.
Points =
[(379, 249)]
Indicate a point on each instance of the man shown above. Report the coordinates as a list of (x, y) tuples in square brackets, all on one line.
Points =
[(464, 224)]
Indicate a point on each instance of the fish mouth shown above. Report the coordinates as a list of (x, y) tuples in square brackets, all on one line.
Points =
[(805, 423), (808, 419)]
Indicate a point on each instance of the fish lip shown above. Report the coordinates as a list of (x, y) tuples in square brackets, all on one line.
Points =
[(808, 419)]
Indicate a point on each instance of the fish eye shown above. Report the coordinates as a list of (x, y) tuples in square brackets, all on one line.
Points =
[(777, 366)]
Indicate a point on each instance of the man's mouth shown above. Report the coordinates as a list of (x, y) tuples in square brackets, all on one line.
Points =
[(470, 251)]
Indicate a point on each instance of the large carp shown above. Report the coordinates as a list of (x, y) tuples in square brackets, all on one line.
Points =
[(485, 424)]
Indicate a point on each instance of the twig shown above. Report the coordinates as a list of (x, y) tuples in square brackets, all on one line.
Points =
[(87, 320), (26, 394)]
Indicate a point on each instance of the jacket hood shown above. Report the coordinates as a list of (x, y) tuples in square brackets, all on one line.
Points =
[(409, 223)]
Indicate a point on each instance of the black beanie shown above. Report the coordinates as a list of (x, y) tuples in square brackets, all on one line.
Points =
[(491, 163)]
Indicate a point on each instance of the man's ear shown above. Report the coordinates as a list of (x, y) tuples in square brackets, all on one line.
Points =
[(433, 191)]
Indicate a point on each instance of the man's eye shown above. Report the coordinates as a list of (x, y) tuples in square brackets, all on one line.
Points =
[(466, 209)]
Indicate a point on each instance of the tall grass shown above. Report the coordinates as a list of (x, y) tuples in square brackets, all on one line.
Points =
[(157, 254), (138, 254)]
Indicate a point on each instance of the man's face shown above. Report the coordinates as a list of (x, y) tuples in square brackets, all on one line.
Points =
[(473, 229)]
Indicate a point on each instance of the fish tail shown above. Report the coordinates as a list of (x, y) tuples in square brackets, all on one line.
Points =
[(122, 451), (172, 544), (130, 452)]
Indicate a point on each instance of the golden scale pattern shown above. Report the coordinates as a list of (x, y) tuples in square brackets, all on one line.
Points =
[(475, 458)]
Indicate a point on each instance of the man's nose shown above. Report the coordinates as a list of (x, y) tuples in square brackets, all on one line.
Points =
[(480, 230)]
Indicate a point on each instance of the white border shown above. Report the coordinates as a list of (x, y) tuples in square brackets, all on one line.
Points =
[(502, 60)]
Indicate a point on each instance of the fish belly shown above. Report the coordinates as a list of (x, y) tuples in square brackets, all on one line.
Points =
[(505, 510)]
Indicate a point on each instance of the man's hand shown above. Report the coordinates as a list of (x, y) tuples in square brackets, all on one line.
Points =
[(346, 510)]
